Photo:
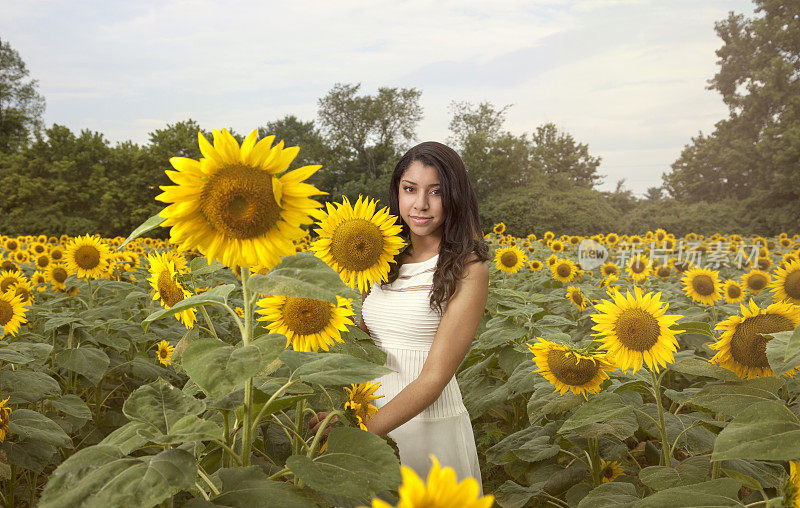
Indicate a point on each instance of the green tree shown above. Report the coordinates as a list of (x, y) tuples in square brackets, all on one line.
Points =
[(467, 120), (557, 153), (21, 106)]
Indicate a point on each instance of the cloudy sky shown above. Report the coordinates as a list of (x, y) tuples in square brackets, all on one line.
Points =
[(627, 77)]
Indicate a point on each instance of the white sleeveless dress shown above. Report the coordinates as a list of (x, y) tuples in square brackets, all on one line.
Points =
[(402, 324)]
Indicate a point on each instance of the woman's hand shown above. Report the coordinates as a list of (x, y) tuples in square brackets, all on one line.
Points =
[(316, 421)]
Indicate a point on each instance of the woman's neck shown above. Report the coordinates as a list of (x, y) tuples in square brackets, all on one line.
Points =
[(424, 246)]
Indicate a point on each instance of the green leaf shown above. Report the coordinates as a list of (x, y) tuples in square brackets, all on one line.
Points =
[(29, 454), (731, 398), (301, 276), (768, 474), (719, 492), (357, 463), (360, 345), (690, 471), (219, 368), (763, 431), (538, 448), (504, 333), (600, 408), (514, 495), (747, 481), (40, 352), (617, 494), (160, 405), (72, 405), (127, 437), (695, 366), (151, 223), (333, 368), (28, 386), (188, 429), (249, 487), (783, 351), (9, 355), (101, 475), (698, 327), (215, 296), (201, 266), (88, 361), (32, 425)]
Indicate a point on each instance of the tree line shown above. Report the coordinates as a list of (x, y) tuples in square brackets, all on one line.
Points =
[(743, 177)]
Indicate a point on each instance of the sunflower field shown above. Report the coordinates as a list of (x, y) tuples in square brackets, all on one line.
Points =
[(611, 370)]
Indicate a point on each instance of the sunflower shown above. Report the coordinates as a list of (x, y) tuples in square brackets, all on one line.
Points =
[(41, 261), (635, 330), (786, 285), (702, 285), (308, 324), (12, 312), (39, 280), (742, 347), (57, 273), (564, 270), (499, 228), (552, 260), (5, 419), (509, 259), (86, 256), (11, 244), (441, 491), (9, 265), (165, 352), (548, 235), (9, 280), (535, 265), (611, 470), (609, 269), (567, 369), (556, 246), (166, 287), (791, 487), (756, 280), (359, 398), (733, 291), (21, 257), (25, 290), (663, 272), (639, 268), (231, 206), (575, 296), (37, 247)]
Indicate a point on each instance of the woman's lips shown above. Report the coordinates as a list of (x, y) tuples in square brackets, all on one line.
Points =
[(420, 221)]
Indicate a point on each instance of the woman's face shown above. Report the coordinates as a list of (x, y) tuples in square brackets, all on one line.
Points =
[(420, 199)]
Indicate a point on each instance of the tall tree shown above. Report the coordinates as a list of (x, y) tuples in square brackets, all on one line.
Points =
[(370, 128), (557, 153), (468, 119), (21, 106)]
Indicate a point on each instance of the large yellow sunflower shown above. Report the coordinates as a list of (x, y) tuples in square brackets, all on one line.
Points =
[(25, 290), (356, 242), (39, 280), (564, 270), (359, 397), (575, 296), (535, 265), (733, 291), (57, 274), (786, 285), (12, 312), (230, 204), (756, 280), (609, 268), (87, 256), (639, 268), (742, 348), (167, 288), (634, 330), (568, 369), (308, 324), (702, 285), (442, 490), (509, 259), (10, 279)]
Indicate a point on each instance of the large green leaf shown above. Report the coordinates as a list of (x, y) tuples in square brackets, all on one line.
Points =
[(72, 405), (88, 361), (249, 487), (513, 495), (151, 223), (616, 494), (29, 453), (219, 368), (188, 429), (763, 431), (27, 386), (202, 266), (600, 408), (127, 437), (783, 351), (357, 463), (699, 367), (690, 471), (719, 492), (731, 398), (332, 368), (160, 405), (32, 425), (215, 296), (103, 476), (302, 276)]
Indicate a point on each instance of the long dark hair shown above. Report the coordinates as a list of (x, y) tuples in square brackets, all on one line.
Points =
[(461, 235)]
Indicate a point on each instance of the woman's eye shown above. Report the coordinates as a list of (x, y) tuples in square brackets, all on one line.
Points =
[(408, 189)]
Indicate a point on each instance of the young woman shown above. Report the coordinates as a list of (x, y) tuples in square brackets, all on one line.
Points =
[(426, 315)]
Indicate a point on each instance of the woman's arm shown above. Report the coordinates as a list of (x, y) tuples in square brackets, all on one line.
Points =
[(450, 345)]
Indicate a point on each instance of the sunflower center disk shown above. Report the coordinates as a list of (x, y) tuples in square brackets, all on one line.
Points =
[(239, 202), (21, 291), (60, 275), (638, 267), (6, 312), (508, 259), (306, 316), (7, 283), (792, 284), (87, 257), (703, 285), (663, 271), (168, 289), (757, 282), (357, 244), (637, 330), (564, 367), (563, 270), (577, 298), (748, 346), (734, 292)]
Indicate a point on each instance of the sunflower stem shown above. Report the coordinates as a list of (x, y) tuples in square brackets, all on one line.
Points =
[(661, 427), (247, 426), (266, 406), (208, 322), (320, 431)]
